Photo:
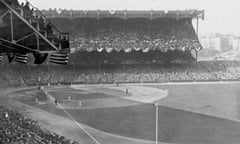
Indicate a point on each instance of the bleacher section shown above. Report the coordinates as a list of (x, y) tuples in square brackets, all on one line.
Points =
[(203, 71), (16, 128)]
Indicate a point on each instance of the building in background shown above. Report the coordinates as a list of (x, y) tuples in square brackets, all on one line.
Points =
[(219, 42), (210, 41), (236, 44)]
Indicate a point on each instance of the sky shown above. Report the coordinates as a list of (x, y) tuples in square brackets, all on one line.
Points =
[(221, 16)]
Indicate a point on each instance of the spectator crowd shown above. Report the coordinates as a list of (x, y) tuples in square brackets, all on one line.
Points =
[(18, 129), (24, 75), (119, 35)]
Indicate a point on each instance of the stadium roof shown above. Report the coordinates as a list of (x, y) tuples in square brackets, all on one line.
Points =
[(124, 14)]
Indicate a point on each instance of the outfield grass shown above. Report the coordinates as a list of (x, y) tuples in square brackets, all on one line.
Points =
[(221, 100), (175, 126)]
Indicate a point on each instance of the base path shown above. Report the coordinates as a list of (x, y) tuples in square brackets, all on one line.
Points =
[(135, 93)]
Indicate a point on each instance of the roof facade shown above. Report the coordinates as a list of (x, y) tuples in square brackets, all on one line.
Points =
[(123, 14)]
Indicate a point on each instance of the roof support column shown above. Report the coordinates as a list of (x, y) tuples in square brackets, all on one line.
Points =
[(197, 25), (196, 56)]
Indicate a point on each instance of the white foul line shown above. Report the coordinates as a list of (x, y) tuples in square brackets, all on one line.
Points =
[(79, 125)]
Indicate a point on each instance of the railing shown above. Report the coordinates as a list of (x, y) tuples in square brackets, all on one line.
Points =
[(56, 32), (40, 14), (27, 23)]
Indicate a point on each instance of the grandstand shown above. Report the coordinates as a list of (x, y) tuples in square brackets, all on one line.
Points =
[(112, 46), (123, 61), (26, 75), (130, 36)]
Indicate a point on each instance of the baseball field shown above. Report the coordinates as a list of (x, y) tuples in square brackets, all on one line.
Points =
[(188, 113)]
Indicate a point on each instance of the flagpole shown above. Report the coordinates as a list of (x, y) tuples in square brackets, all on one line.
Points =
[(156, 106), (152, 4)]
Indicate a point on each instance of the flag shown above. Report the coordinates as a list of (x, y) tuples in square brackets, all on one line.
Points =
[(21, 58)]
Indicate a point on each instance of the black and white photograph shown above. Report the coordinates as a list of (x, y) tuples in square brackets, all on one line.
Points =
[(119, 72)]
